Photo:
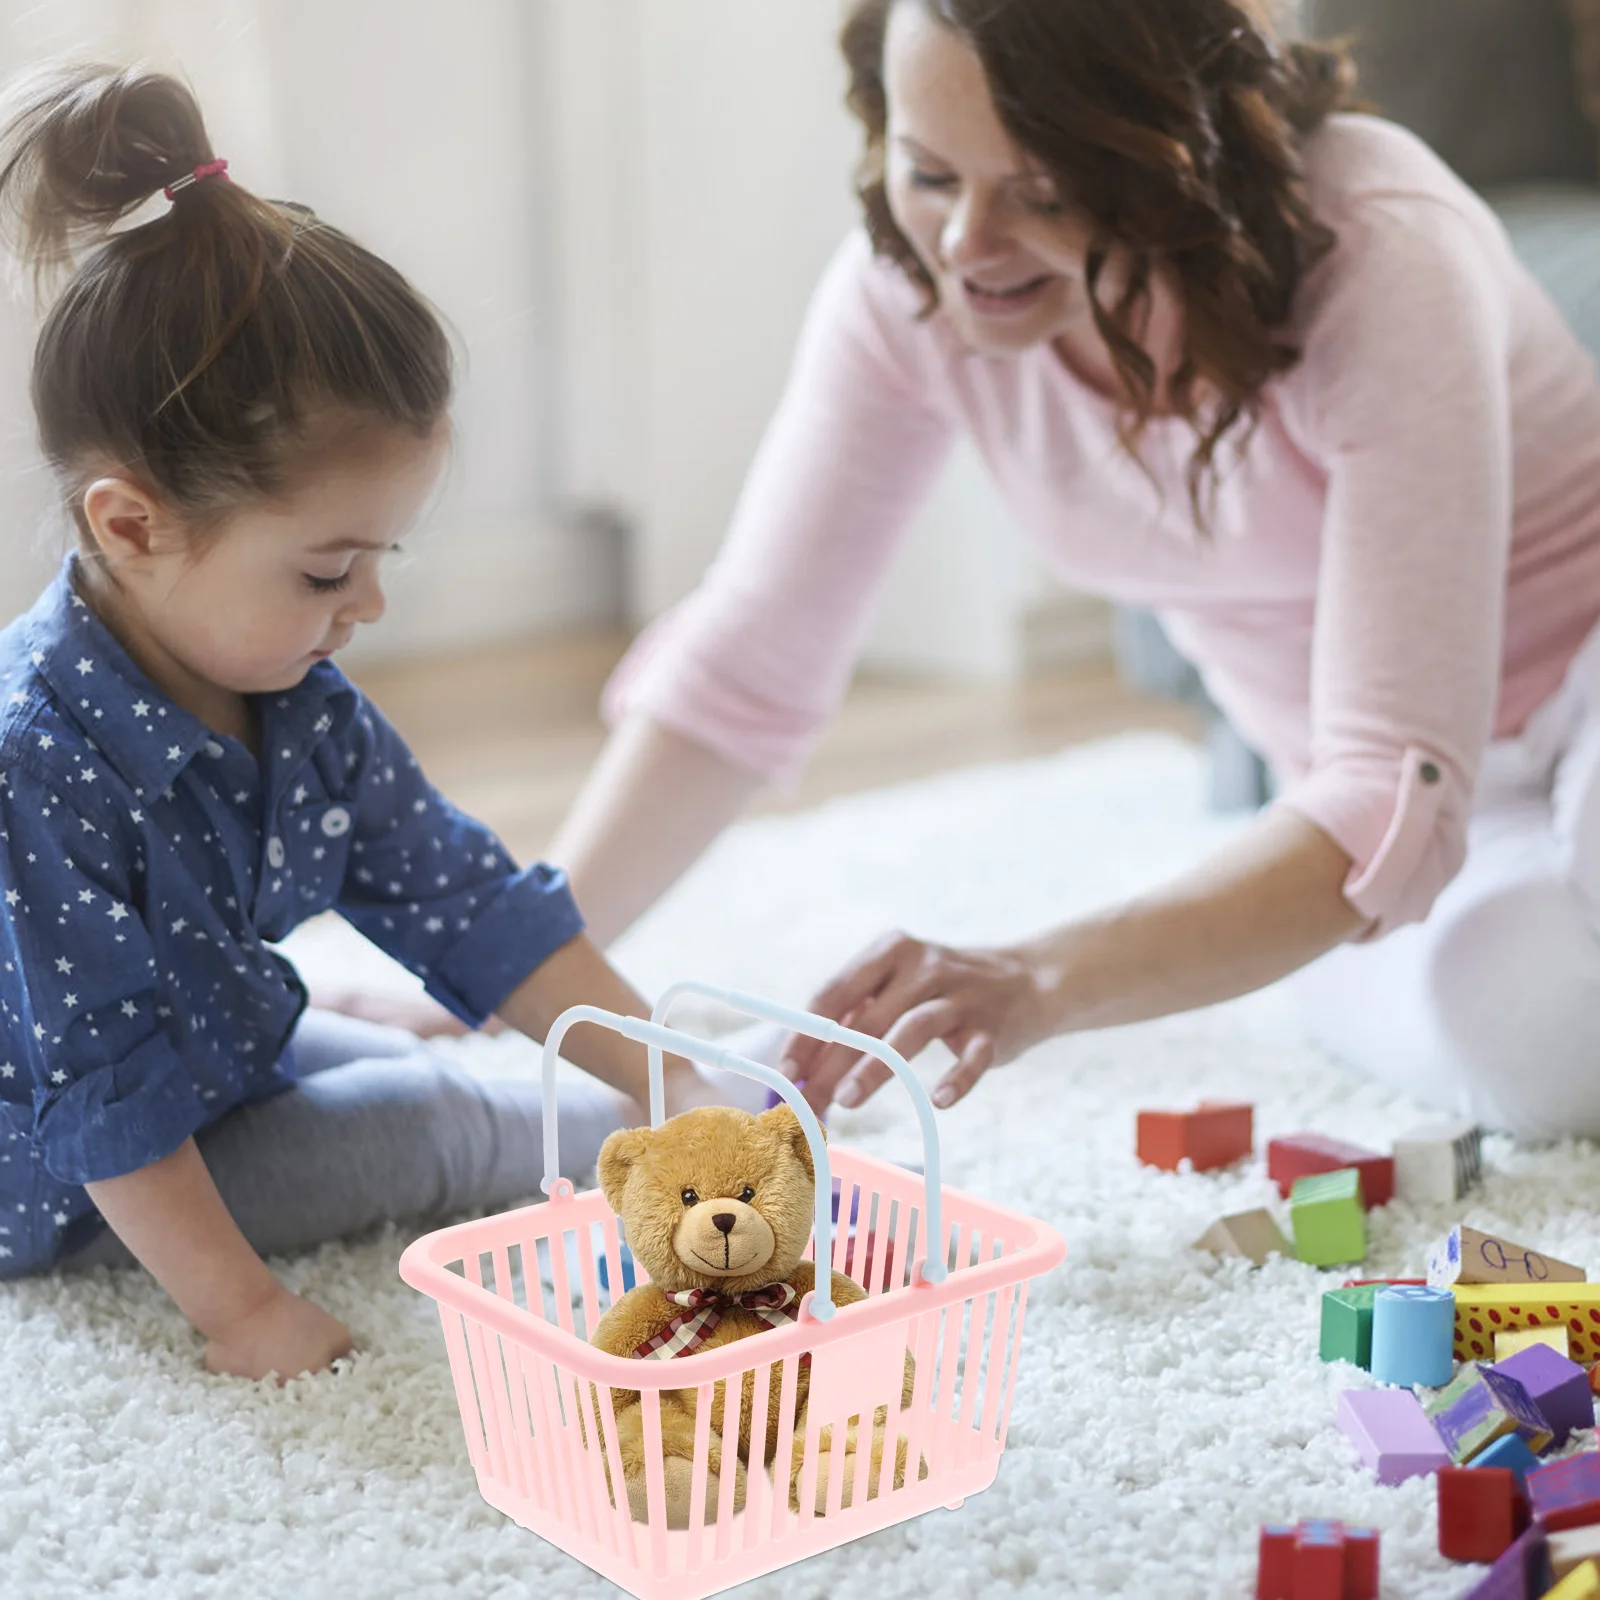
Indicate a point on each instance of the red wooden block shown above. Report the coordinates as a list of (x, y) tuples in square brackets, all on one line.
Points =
[(1215, 1134), (1481, 1512), (1360, 1564), (1388, 1283), (1594, 1378), (1566, 1493), (1319, 1561), (1275, 1565), (1301, 1155)]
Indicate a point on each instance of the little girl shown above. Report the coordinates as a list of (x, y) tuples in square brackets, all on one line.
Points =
[(245, 411)]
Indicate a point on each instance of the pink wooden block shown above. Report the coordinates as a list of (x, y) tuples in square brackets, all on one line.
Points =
[(1391, 1434)]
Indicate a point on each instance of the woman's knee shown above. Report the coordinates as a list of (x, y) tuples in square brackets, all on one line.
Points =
[(1515, 986)]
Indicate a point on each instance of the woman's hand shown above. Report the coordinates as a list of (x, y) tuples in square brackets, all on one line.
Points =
[(985, 1005), (284, 1334)]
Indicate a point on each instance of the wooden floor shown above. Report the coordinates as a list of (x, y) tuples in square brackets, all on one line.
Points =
[(509, 732)]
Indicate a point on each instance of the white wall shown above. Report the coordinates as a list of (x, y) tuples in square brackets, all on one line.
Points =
[(417, 128), (724, 122)]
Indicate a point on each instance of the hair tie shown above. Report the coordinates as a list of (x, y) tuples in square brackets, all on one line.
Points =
[(206, 169)]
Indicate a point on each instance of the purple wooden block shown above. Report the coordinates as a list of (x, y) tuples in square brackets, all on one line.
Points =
[(1391, 1434), (1468, 1412), (1559, 1387), (1522, 1573), (1562, 1485)]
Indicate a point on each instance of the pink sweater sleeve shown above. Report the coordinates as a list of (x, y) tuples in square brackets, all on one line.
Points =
[(1404, 398), (756, 660)]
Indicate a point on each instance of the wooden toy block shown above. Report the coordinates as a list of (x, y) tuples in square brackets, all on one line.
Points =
[(1317, 1560), (1582, 1583), (1465, 1255), (1570, 1548), (1347, 1325), (1594, 1379), (1557, 1386), (1252, 1234), (1329, 1221), (1483, 1310), (1391, 1433), (1383, 1283), (1438, 1163), (1478, 1406), (1303, 1155), (1215, 1134), (1509, 1451), (1522, 1573), (1413, 1333), (1508, 1344), (1566, 1494), (1482, 1512)]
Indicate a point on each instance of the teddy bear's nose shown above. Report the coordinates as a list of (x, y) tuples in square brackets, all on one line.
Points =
[(723, 1221)]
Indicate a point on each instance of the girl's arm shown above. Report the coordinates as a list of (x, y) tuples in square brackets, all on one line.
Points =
[(171, 1217), (653, 803), (1265, 905)]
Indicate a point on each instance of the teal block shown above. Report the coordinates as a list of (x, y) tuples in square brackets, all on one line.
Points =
[(1347, 1325), (1329, 1220), (1509, 1450)]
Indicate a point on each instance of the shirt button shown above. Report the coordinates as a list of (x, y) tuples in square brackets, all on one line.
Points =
[(275, 853), (1428, 772), (335, 821)]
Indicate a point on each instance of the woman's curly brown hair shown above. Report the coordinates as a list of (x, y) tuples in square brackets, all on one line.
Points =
[(1175, 126)]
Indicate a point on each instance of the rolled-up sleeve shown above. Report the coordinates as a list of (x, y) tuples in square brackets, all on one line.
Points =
[(757, 659), (1403, 397), (108, 1090)]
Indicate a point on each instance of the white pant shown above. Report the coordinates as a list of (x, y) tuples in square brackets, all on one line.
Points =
[(1491, 1008)]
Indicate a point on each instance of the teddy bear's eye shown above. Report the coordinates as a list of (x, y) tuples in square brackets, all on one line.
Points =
[(747, 1194), (690, 1198)]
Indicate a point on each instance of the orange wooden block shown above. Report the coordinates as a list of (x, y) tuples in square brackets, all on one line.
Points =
[(1215, 1134)]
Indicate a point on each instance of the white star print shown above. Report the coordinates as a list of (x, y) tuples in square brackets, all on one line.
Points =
[(70, 1001), (141, 708), (85, 896), (180, 925), (46, 742), (63, 966), (13, 896), (58, 1076), (7, 1070), (85, 666), (136, 816), (174, 751), (129, 1009), (118, 912), (60, 1218)]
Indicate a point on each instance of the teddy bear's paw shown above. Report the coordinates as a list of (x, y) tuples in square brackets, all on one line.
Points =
[(678, 1482)]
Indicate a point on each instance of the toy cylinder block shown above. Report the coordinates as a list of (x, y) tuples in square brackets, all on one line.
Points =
[(1466, 1255), (1304, 1155), (1483, 1310), (1557, 1386), (1413, 1337), (1481, 1512)]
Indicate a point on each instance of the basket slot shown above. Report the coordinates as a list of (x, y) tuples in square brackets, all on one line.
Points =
[(849, 1210), (927, 1340), (758, 1485), (700, 1472), (593, 1441), (999, 1351), (655, 1488), (732, 1415), (551, 1437), (479, 1367), (621, 1512), (1011, 1364), (472, 1424), (611, 1243), (586, 1250), (783, 1455), (561, 1282), (529, 1439)]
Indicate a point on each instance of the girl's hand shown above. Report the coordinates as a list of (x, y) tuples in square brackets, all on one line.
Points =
[(984, 1004), (284, 1335)]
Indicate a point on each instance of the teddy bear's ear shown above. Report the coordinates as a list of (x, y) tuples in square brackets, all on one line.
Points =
[(782, 1120), (617, 1156)]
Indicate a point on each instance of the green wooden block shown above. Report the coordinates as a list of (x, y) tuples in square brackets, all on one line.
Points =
[(1347, 1325), (1330, 1223)]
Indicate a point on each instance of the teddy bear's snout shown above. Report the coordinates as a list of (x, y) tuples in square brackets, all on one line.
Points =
[(724, 1238)]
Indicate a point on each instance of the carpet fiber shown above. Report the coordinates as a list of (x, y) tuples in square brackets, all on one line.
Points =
[(1166, 1405)]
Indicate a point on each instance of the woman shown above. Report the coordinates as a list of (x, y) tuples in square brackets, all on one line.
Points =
[(1273, 371)]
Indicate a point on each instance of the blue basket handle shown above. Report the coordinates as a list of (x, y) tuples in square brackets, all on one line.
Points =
[(931, 1268), (659, 1038)]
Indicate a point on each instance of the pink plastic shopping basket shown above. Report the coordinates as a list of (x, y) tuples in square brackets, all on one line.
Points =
[(518, 1293)]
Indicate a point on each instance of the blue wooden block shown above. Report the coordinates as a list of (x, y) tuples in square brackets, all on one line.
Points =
[(1413, 1336), (1510, 1450)]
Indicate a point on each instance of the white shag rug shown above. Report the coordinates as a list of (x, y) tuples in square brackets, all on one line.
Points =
[(1167, 1404)]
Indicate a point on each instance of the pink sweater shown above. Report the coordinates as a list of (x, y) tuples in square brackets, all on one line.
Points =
[(1400, 565)]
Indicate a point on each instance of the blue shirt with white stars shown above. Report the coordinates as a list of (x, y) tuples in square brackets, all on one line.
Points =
[(147, 865)]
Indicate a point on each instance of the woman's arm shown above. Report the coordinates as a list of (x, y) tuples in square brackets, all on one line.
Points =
[(653, 803), (1264, 906)]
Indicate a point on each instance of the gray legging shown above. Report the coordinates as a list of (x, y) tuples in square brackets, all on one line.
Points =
[(381, 1128)]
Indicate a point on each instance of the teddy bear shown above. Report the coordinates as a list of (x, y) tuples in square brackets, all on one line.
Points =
[(718, 1205)]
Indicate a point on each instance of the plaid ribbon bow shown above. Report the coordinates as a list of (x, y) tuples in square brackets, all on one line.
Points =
[(705, 1308)]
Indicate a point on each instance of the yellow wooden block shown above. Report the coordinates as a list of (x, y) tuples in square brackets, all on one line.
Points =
[(1485, 1309), (1507, 1344), (1582, 1583), (1573, 1548)]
